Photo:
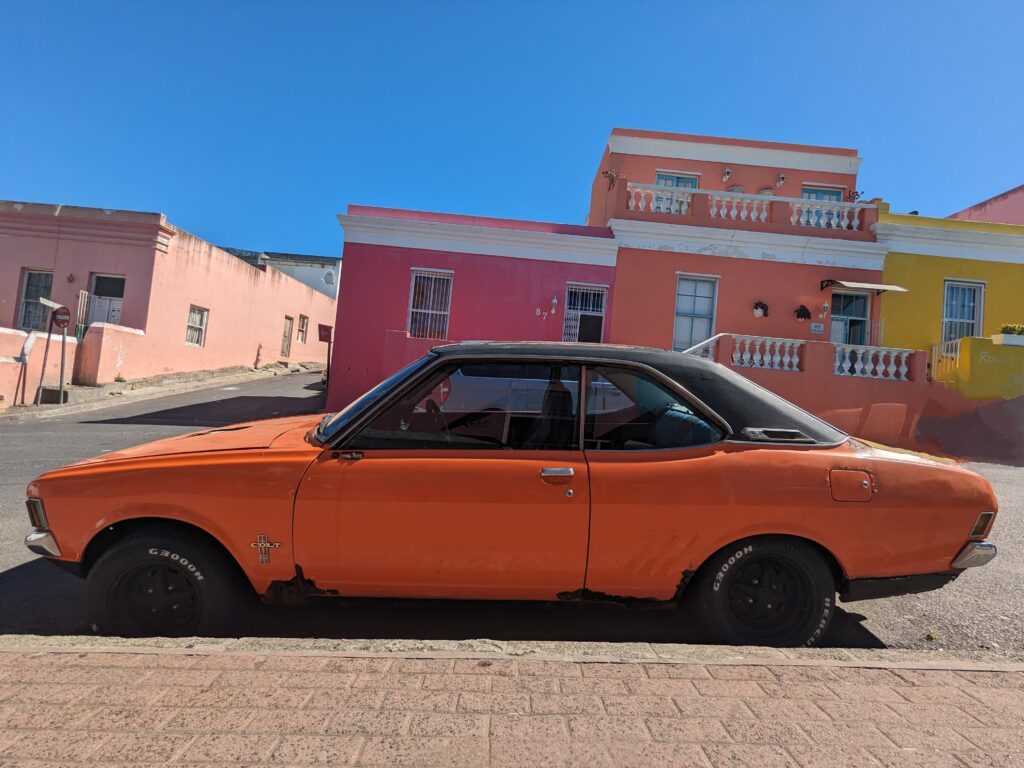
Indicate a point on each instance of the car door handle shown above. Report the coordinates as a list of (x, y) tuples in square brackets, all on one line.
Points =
[(557, 472)]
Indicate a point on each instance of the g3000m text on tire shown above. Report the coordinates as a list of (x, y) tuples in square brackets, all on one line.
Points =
[(161, 581), (767, 590)]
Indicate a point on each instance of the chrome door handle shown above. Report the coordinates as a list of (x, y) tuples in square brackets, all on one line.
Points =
[(557, 472)]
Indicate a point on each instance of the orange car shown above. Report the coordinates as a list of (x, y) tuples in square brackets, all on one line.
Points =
[(526, 472)]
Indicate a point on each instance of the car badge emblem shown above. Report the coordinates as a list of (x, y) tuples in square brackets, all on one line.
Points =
[(263, 545)]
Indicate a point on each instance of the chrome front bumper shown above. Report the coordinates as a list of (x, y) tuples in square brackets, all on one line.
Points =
[(974, 554), (42, 543)]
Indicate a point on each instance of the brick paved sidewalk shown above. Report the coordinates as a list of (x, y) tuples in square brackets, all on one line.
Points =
[(158, 708)]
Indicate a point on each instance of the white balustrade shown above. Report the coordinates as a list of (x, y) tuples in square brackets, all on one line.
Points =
[(826, 214), (872, 362), (742, 206), (766, 352), (737, 206), (657, 199)]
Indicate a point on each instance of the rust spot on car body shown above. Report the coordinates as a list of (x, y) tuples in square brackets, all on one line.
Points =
[(295, 590)]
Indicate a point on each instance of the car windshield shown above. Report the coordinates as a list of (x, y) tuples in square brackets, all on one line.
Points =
[(333, 424)]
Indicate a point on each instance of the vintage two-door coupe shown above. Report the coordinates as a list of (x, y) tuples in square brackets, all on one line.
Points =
[(519, 471)]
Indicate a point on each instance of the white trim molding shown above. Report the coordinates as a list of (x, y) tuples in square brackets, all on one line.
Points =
[(486, 241), (744, 244), (951, 243), (733, 153)]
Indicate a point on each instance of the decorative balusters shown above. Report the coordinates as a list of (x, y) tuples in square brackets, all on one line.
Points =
[(658, 199), (872, 362), (826, 214), (766, 352)]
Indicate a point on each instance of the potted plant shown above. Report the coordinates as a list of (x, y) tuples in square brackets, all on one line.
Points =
[(1012, 335)]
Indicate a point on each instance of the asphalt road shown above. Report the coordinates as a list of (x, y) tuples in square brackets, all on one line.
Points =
[(984, 609)]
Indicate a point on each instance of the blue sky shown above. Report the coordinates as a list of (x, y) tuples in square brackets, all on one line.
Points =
[(253, 123)]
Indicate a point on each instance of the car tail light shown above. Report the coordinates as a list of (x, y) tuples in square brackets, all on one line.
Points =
[(983, 523), (37, 514)]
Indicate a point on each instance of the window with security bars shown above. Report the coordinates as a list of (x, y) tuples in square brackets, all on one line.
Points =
[(430, 299), (195, 330), (962, 310), (584, 313), (38, 285)]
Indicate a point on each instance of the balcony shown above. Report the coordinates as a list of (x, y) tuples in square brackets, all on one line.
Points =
[(741, 210), (799, 356)]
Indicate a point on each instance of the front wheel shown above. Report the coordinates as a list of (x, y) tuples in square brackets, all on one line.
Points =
[(160, 581), (767, 591)]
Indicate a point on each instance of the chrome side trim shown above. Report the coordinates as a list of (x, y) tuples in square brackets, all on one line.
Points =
[(42, 543), (975, 553)]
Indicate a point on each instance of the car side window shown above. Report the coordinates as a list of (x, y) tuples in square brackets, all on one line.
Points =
[(483, 406), (629, 411)]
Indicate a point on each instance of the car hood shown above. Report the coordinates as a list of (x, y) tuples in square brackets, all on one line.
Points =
[(285, 432)]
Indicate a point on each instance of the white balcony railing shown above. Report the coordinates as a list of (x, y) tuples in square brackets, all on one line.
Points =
[(945, 360), (743, 206), (872, 362), (766, 352)]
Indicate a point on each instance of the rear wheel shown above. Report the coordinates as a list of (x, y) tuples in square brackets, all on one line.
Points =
[(163, 582), (767, 591)]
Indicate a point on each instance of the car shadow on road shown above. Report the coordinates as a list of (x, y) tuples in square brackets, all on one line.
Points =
[(39, 598), (229, 410)]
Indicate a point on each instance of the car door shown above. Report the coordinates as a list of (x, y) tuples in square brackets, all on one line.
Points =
[(657, 481), (471, 486)]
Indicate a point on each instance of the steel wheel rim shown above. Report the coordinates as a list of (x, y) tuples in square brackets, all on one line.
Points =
[(158, 597), (770, 597)]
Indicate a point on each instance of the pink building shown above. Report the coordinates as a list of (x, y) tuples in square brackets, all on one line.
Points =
[(761, 255), (1004, 208), (147, 298)]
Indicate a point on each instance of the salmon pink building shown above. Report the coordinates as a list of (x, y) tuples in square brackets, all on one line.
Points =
[(762, 255), (147, 298)]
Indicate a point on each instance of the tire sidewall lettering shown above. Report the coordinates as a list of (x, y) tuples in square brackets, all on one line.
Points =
[(179, 560), (732, 560)]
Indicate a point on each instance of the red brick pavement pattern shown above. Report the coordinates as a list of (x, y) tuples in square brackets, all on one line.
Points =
[(234, 709)]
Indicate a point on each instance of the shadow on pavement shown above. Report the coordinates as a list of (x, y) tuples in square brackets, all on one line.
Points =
[(39, 598), (230, 410)]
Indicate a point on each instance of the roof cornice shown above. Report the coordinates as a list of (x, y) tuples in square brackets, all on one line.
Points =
[(951, 243), (733, 153), (487, 241), (156, 234), (745, 244)]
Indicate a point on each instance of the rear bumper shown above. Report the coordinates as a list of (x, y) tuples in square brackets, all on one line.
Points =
[(974, 554), (890, 586), (42, 543)]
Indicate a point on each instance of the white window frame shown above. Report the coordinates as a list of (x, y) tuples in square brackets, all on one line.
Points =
[(303, 329), (202, 328), (573, 331), (717, 280), (979, 311), (448, 274), (678, 175), (868, 335)]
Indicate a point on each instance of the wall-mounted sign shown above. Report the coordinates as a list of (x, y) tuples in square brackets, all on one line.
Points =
[(324, 331), (817, 327)]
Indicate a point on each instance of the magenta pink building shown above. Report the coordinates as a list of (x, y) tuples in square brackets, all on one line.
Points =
[(147, 298), (412, 278)]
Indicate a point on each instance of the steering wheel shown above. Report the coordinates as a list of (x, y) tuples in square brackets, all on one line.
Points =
[(439, 420)]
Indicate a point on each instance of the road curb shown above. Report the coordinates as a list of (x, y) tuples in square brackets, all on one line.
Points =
[(148, 393), (682, 655)]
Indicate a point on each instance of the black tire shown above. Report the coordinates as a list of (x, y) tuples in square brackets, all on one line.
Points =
[(768, 590), (162, 581)]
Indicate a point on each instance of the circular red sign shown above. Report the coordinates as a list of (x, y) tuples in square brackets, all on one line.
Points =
[(61, 317)]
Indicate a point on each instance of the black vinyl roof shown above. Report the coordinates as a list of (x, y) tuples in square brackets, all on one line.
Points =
[(742, 403)]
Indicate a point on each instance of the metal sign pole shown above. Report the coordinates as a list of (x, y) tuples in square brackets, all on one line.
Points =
[(327, 381), (63, 347), (46, 354)]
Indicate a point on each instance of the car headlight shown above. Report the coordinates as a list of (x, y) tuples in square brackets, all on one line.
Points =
[(37, 514)]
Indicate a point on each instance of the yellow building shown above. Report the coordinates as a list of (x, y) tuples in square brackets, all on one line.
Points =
[(965, 280)]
